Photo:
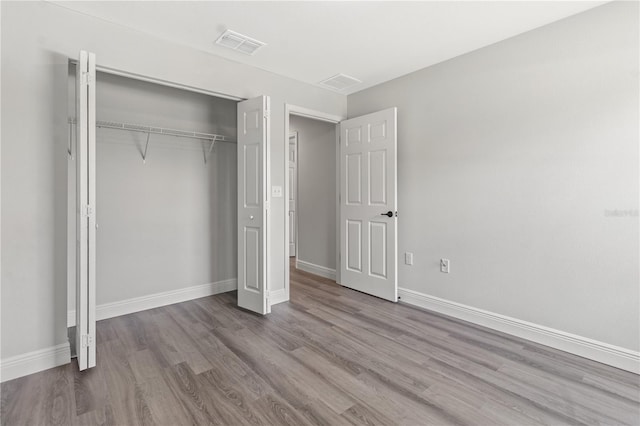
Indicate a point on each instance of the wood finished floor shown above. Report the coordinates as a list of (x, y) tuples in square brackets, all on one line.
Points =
[(331, 356)]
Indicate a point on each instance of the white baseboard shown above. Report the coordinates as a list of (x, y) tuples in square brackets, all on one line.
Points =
[(316, 269), (137, 304), (33, 362), (278, 296), (605, 353)]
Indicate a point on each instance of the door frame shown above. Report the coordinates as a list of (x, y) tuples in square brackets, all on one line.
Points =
[(290, 109), (71, 212), (295, 178), (161, 82)]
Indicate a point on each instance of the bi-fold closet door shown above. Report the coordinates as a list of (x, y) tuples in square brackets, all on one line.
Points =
[(253, 207), (86, 210), (253, 204)]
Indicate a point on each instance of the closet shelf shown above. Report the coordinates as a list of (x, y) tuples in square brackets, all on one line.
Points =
[(211, 137), (161, 131)]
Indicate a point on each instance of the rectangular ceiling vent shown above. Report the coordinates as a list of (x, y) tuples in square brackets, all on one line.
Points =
[(239, 42), (339, 82)]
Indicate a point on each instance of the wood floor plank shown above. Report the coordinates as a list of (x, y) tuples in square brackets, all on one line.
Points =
[(43, 398), (90, 389), (467, 375), (275, 410), (192, 398), (288, 377), (577, 399), (612, 386), (360, 415), (226, 362), (125, 396), (350, 384), (164, 406), (58, 399), (330, 356), (102, 416), (230, 398)]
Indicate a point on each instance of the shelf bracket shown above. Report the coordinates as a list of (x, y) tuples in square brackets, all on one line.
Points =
[(208, 153), (146, 147)]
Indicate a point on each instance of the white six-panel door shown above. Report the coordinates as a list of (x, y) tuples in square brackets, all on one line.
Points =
[(253, 204), (86, 210), (293, 192), (368, 204)]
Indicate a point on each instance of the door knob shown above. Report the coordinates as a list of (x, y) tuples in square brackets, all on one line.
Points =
[(389, 213), (251, 217)]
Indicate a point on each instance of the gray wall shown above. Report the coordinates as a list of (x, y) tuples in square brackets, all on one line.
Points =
[(509, 159), (169, 223), (316, 191), (38, 38)]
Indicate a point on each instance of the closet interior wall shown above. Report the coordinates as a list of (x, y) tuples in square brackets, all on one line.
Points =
[(167, 223)]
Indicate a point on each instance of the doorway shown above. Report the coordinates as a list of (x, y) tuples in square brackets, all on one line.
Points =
[(365, 203), (312, 194)]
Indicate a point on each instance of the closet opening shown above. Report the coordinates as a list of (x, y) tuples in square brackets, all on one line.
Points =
[(166, 191)]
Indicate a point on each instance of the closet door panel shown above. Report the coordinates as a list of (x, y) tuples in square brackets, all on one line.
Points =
[(253, 131)]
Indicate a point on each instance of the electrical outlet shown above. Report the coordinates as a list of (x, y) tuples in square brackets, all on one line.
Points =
[(444, 266), (276, 191), (408, 258)]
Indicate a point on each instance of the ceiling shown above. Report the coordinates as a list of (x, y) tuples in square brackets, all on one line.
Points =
[(310, 41)]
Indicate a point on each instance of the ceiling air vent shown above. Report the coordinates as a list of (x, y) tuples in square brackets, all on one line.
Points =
[(339, 82), (239, 42)]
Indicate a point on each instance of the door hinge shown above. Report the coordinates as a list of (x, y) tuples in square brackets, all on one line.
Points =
[(267, 205), (88, 211), (87, 78), (267, 113), (86, 340)]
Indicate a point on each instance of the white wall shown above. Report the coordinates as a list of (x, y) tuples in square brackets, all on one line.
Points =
[(37, 40), (316, 191), (509, 158), (170, 223)]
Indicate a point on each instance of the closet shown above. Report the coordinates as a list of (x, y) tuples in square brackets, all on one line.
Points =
[(167, 203), (166, 191)]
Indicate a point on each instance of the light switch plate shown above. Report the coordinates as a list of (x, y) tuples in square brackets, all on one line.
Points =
[(276, 191)]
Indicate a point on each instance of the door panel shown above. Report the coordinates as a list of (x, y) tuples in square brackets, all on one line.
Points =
[(252, 256), (354, 245), (85, 211), (253, 145), (353, 176), (250, 156), (377, 249), (377, 178), (368, 173)]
